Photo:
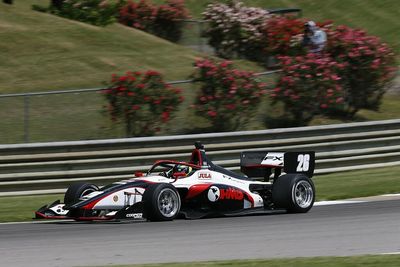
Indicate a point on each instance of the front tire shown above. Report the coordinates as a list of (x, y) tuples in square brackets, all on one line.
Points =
[(293, 192), (78, 190), (161, 202)]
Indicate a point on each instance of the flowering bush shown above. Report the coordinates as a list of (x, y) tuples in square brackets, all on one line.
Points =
[(284, 36), (227, 97), (139, 15), (362, 65), (235, 29), (369, 67), (96, 12), (169, 20), (142, 101), (308, 85), (165, 21)]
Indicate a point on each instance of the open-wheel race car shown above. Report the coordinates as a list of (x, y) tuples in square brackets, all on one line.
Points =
[(271, 181)]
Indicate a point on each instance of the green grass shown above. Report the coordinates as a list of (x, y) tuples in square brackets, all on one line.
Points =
[(13, 209), (378, 17), (329, 187), (361, 183), (355, 261), (41, 52), (44, 52)]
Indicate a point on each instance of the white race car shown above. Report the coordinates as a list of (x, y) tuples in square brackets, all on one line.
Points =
[(271, 181)]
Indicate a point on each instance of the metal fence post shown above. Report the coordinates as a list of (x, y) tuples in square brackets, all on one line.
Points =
[(26, 118), (200, 33)]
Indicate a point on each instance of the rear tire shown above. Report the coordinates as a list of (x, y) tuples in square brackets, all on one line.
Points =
[(161, 202), (78, 190), (293, 192)]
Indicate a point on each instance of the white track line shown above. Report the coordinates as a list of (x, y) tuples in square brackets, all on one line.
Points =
[(391, 195), (337, 202), (319, 203), (390, 253), (36, 222)]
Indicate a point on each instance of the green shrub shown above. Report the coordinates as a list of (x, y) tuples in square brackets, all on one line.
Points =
[(236, 30), (308, 85), (228, 97), (369, 67), (165, 21), (142, 101), (96, 12)]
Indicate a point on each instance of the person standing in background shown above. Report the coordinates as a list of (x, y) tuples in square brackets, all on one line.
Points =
[(314, 38)]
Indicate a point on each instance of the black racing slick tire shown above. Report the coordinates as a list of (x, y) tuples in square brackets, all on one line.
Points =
[(78, 190), (293, 192), (161, 202)]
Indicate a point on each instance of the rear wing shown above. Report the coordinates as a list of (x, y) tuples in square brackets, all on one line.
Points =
[(260, 164)]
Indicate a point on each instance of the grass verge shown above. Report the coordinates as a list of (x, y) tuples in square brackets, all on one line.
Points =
[(362, 183), (14, 209), (356, 261), (329, 187)]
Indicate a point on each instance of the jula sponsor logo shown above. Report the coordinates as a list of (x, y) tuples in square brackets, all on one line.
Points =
[(204, 176)]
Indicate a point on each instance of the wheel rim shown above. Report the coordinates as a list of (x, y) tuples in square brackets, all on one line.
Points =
[(303, 194), (168, 202)]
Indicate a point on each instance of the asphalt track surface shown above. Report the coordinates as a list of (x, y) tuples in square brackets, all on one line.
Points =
[(337, 230)]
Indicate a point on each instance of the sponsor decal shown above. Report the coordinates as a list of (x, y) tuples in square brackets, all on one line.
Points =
[(231, 193), (213, 193), (134, 215), (273, 159), (204, 176), (115, 198)]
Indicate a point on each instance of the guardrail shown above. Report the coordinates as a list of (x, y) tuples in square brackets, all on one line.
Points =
[(40, 167)]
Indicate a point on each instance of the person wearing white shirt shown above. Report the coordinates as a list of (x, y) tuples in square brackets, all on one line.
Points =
[(314, 38)]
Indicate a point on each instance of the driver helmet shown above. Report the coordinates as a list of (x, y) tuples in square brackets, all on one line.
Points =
[(311, 25), (183, 169)]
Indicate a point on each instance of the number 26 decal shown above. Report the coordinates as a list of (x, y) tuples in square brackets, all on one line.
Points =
[(303, 161)]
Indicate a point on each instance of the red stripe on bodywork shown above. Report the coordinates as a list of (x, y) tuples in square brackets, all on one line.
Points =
[(94, 202), (196, 190), (40, 215), (102, 218), (262, 166), (250, 198)]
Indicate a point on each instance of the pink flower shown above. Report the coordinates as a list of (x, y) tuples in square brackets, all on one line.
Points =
[(152, 73), (212, 113), (339, 100), (231, 106), (136, 107), (165, 116)]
